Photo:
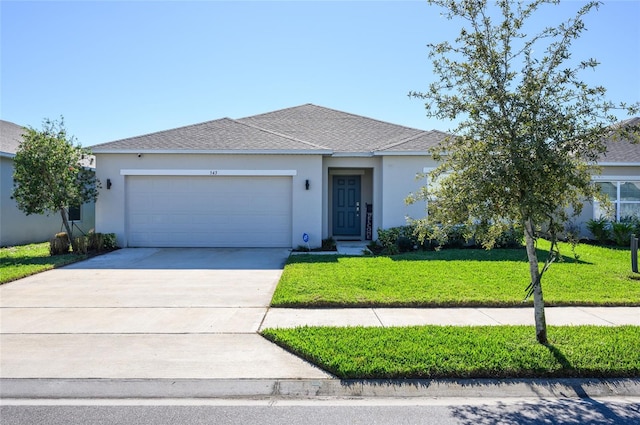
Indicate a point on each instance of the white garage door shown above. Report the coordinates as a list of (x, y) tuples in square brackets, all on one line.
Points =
[(176, 211)]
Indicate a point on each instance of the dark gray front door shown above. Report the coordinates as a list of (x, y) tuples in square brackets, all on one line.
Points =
[(346, 206)]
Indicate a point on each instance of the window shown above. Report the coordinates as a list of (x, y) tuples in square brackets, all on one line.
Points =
[(624, 197), (75, 213)]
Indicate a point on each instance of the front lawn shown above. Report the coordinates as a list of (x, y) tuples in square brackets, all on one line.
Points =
[(17, 262), (466, 352), (456, 278)]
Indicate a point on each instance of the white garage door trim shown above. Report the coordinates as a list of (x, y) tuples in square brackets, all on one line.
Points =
[(208, 210), (248, 173)]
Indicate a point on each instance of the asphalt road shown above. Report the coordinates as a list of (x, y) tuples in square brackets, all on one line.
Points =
[(458, 411)]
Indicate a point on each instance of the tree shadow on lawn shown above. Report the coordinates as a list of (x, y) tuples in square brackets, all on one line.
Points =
[(450, 254)]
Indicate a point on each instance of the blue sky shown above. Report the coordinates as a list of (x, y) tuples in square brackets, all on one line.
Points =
[(117, 69)]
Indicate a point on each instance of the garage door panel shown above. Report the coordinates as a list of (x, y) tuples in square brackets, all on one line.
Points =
[(209, 212)]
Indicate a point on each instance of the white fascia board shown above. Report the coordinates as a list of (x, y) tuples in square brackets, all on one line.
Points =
[(212, 152), (351, 154), (212, 172), (615, 178), (402, 153), (619, 164)]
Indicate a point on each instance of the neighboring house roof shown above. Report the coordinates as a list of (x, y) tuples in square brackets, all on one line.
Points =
[(10, 138), (622, 150), (302, 129)]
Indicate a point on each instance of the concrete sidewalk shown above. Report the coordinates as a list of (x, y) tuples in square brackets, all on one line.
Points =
[(386, 317)]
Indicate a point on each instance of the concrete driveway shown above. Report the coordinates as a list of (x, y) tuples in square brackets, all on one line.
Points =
[(147, 314)]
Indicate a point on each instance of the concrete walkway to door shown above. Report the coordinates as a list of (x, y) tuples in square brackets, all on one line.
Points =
[(147, 314)]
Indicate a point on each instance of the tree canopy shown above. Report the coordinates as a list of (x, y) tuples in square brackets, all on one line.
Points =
[(530, 132), (51, 173)]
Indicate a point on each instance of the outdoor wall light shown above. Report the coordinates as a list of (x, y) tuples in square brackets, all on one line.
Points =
[(108, 184), (306, 184)]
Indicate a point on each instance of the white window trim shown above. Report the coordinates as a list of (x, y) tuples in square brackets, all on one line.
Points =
[(617, 180)]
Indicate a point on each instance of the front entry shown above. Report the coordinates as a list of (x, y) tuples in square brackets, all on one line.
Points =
[(346, 206)]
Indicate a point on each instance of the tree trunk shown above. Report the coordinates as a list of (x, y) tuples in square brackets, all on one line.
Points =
[(534, 271), (65, 221)]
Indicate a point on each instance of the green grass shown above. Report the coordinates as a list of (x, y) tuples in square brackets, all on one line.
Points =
[(456, 278), (17, 262), (466, 352)]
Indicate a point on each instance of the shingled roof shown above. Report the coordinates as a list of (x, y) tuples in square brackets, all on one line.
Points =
[(10, 137), (220, 135), (305, 129), (310, 129), (339, 131), (622, 150)]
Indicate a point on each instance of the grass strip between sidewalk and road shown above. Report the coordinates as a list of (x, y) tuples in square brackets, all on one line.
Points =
[(600, 276), (428, 352), (17, 262)]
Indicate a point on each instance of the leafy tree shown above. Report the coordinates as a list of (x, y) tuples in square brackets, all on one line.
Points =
[(529, 133), (51, 174)]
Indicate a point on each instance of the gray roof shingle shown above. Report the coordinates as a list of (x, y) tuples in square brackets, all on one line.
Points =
[(303, 128), (623, 150), (336, 130), (219, 135), (311, 129), (10, 137)]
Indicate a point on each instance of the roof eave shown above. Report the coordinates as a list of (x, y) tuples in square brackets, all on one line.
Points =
[(619, 164), (214, 151), (402, 153), (352, 154)]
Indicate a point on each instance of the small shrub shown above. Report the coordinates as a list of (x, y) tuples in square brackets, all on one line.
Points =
[(391, 250), (101, 241), (405, 244), (634, 221), (457, 236), (59, 244), (109, 241), (95, 241), (397, 239), (510, 238), (328, 244), (302, 248), (81, 243), (600, 229), (622, 233)]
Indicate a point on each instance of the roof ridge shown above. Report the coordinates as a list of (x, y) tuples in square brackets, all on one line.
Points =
[(275, 133), (402, 141), (365, 117), (277, 110), (408, 139), (334, 110)]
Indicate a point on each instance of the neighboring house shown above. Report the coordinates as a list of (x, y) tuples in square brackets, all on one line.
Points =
[(17, 228), (265, 180), (620, 179)]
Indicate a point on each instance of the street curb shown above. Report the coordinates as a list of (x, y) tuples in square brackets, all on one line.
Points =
[(323, 388)]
